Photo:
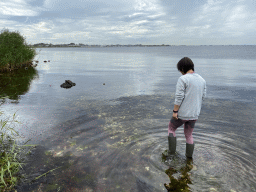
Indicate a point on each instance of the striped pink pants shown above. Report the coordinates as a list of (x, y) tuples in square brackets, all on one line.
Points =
[(188, 128)]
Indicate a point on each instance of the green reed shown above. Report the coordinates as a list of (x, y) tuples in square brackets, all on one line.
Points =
[(11, 155), (14, 51)]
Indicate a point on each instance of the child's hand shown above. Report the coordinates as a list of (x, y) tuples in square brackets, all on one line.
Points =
[(175, 115)]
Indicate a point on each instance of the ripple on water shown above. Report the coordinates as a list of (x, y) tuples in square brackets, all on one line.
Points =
[(225, 159), (123, 144)]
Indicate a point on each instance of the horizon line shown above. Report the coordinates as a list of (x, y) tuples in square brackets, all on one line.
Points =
[(81, 44)]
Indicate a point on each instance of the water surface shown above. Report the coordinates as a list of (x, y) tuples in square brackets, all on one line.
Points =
[(111, 137)]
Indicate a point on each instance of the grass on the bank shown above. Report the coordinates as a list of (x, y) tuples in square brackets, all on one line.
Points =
[(14, 51), (10, 155)]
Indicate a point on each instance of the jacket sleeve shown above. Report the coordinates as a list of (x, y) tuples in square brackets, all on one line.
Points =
[(204, 92), (180, 92)]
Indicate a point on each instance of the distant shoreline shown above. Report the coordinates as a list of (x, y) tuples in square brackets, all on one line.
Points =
[(98, 46), (104, 46)]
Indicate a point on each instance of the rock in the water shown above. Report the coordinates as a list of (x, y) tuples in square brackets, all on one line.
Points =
[(67, 84), (70, 82)]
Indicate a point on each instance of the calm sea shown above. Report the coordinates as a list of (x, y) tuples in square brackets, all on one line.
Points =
[(111, 137)]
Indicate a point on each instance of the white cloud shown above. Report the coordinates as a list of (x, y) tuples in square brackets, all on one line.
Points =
[(48, 3), (139, 22), (43, 27), (239, 20), (4, 22), (16, 8), (207, 12), (147, 5), (225, 19), (136, 14), (91, 6), (156, 15), (64, 20), (238, 13), (236, 17), (74, 34), (198, 31)]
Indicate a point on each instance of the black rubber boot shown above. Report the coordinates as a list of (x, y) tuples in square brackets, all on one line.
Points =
[(172, 144), (189, 150)]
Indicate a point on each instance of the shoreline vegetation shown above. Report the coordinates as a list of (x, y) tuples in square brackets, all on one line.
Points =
[(9, 67), (11, 155), (15, 53)]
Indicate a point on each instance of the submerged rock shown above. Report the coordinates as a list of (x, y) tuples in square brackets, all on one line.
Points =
[(67, 84)]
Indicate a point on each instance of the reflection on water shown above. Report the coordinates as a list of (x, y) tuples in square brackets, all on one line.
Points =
[(113, 137), (180, 183), (15, 83)]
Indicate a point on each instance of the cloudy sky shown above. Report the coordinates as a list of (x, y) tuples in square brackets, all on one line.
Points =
[(173, 22)]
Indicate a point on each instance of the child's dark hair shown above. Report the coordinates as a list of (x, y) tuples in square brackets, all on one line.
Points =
[(185, 64)]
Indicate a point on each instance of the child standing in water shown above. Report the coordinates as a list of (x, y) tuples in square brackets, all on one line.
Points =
[(190, 92)]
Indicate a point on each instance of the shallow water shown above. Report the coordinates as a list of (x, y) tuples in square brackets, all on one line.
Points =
[(112, 137)]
